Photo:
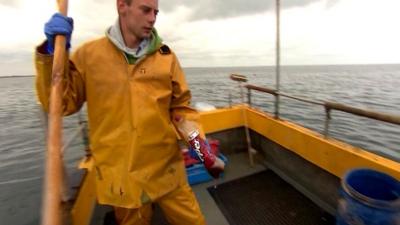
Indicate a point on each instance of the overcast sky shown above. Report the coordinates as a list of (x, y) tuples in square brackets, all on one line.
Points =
[(210, 33)]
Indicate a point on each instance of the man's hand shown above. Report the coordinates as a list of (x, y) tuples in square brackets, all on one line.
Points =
[(58, 25), (218, 164), (217, 168)]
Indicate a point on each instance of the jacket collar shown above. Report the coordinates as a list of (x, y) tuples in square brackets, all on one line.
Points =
[(146, 46)]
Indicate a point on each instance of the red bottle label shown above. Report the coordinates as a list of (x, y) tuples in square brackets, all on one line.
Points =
[(202, 149)]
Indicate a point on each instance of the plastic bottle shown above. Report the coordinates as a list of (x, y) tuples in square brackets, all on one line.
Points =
[(189, 131)]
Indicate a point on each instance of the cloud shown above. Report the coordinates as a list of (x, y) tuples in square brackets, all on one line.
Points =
[(211, 9), (331, 3), (221, 32), (9, 3)]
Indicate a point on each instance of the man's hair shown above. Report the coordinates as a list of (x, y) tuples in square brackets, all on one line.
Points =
[(128, 2)]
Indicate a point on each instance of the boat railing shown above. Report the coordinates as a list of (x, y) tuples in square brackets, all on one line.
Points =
[(329, 106)]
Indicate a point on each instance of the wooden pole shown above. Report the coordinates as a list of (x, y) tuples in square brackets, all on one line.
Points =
[(51, 209), (242, 79)]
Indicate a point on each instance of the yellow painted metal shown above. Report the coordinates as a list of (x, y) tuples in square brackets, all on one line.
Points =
[(86, 200), (222, 119), (331, 155)]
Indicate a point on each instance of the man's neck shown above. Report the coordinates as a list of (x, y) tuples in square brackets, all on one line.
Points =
[(131, 41)]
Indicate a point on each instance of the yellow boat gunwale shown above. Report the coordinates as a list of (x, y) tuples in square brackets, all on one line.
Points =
[(332, 155)]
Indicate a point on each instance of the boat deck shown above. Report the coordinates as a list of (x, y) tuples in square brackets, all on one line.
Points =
[(238, 166), (295, 204), (256, 195)]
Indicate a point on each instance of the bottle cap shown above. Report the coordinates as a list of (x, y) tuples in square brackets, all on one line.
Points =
[(193, 134)]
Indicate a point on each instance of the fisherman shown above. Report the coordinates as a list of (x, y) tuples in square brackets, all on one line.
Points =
[(133, 85)]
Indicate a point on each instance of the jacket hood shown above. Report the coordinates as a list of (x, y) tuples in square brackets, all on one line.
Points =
[(146, 47)]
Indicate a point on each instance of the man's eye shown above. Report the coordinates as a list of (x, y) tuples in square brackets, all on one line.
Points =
[(146, 10)]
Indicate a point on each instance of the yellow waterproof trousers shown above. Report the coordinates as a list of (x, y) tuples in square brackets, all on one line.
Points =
[(180, 207)]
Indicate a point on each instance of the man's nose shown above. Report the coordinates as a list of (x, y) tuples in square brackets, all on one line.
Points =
[(152, 17)]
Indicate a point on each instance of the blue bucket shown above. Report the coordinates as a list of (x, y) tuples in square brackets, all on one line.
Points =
[(369, 197)]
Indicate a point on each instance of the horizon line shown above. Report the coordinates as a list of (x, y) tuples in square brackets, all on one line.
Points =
[(289, 65)]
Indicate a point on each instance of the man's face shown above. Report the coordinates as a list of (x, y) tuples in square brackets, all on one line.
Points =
[(139, 16)]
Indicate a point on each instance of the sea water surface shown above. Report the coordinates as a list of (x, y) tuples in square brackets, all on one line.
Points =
[(375, 87)]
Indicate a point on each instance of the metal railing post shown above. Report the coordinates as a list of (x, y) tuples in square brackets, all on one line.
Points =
[(327, 120), (230, 99), (249, 97), (277, 106), (278, 58)]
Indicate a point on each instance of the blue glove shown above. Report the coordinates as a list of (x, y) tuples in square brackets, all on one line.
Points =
[(58, 24)]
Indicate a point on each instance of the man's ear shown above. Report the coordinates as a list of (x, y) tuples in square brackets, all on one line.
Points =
[(121, 5)]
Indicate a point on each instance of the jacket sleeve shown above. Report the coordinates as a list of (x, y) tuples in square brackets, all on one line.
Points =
[(181, 96), (73, 81)]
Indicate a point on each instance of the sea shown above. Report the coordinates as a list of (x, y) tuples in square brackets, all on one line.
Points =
[(372, 87)]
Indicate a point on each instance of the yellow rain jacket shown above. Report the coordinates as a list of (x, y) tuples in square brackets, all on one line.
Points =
[(132, 139)]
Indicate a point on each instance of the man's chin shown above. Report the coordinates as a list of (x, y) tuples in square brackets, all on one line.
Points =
[(146, 34)]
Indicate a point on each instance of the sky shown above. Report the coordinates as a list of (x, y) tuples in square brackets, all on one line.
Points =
[(214, 33)]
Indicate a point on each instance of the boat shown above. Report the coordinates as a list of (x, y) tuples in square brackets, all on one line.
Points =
[(278, 172), (307, 164)]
